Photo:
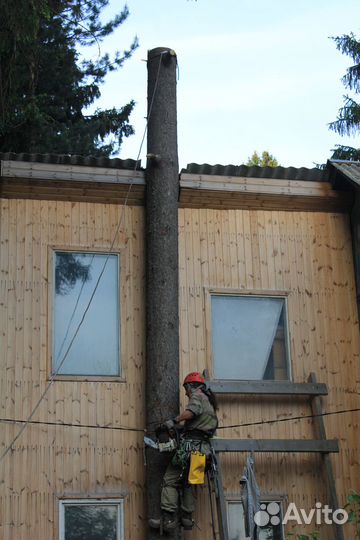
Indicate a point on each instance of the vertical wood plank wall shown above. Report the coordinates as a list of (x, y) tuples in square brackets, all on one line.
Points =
[(309, 255), (49, 462), (306, 253)]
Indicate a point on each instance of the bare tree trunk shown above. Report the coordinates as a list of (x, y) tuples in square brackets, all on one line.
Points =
[(162, 326)]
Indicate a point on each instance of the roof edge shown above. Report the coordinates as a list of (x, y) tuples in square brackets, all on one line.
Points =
[(280, 173), (74, 160)]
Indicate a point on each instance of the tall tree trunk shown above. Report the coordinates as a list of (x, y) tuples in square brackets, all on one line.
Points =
[(162, 327)]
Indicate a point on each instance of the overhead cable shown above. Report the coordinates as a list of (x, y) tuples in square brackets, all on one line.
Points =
[(143, 430), (65, 424), (289, 418)]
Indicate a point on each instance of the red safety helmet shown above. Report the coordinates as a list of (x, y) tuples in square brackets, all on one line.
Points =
[(194, 377)]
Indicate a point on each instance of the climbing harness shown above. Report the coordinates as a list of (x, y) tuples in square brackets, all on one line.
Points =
[(193, 462)]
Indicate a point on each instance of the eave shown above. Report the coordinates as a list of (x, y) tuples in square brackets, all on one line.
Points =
[(67, 182), (232, 192)]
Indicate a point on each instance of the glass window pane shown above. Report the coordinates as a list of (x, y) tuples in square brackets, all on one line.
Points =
[(236, 522), (95, 350), (248, 337), (91, 522), (274, 529)]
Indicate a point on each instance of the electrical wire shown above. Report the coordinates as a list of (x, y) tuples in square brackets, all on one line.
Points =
[(143, 430), (52, 377), (289, 418), (64, 424), (73, 313)]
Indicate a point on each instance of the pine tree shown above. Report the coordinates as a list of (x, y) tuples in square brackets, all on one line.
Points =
[(45, 89), (348, 120)]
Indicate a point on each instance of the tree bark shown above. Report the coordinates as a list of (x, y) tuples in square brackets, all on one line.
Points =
[(162, 313)]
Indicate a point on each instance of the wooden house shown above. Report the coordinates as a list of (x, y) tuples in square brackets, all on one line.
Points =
[(251, 239), (55, 214), (274, 251)]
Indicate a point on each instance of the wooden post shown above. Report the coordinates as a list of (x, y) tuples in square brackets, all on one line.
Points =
[(221, 502), (162, 313), (330, 480)]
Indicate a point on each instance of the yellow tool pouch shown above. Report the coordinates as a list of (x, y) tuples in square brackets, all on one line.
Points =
[(197, 468)]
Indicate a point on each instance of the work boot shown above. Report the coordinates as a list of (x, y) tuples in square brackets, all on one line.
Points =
[(154, 523), (187, 521), (168, 519)]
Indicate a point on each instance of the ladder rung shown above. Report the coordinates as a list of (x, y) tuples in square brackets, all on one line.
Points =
[(275, 445), (268, 388)]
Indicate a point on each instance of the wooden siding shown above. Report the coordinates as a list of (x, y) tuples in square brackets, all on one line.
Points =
[(52, 462), (309, 255), (54, 190), (306, 254)]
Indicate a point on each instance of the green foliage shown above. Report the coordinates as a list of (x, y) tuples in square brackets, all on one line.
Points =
[(353, 509), (350, 46), (348, 120), (44, 87), (266, 160), (346, 153), (90, 523), (69, 269)]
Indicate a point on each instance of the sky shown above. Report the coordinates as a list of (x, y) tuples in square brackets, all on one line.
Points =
[(253, 75)]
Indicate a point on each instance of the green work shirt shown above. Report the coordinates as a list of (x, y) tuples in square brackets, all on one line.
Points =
[(205, 418)]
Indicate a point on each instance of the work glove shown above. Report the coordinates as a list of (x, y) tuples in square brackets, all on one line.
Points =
[(169, 424)]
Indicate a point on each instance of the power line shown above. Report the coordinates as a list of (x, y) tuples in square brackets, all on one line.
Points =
[(52, 377), (288, 419), (65, 424), (73, 313), (143, 430)]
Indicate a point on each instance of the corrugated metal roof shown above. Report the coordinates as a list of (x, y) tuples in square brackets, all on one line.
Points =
[(351, 169), (280, 173), (89, 161)]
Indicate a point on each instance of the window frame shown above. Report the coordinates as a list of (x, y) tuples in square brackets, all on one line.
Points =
[(120, 377), (266, 498), (254, 293), (92, 502)]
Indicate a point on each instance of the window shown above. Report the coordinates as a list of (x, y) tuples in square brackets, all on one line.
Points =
[(236, 520), (271, 516), (91, 519), (95, 350), (249, 337)]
